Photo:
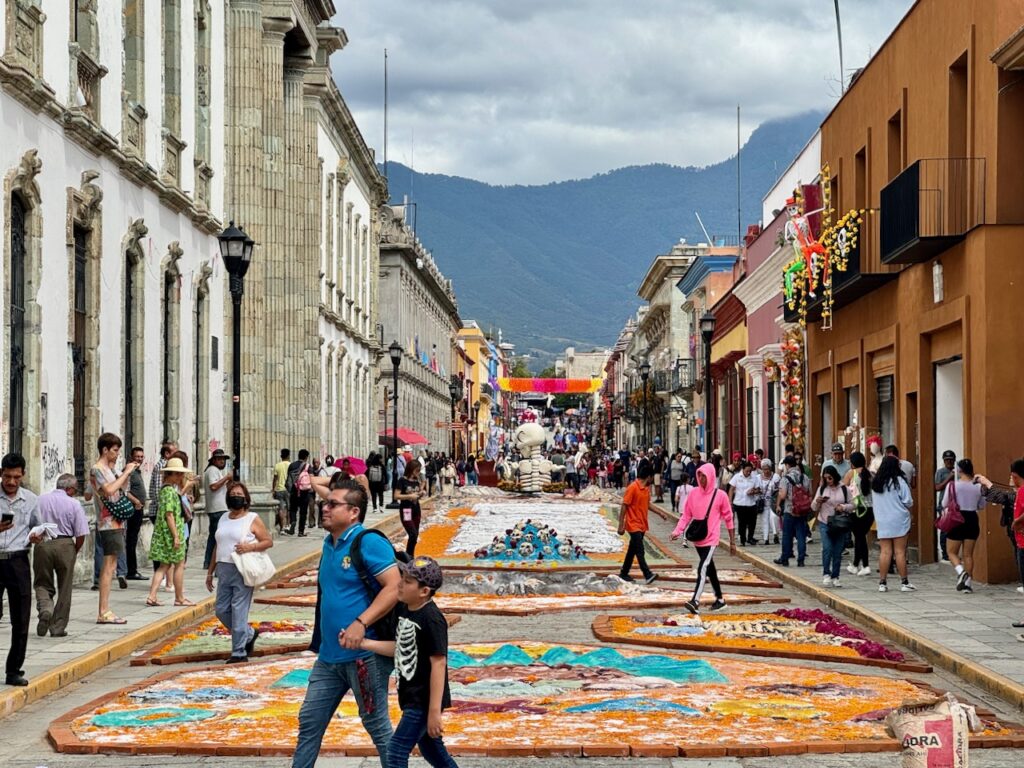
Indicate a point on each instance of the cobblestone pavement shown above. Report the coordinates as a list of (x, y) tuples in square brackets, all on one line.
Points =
[(976, 626), (84, 634), (24, 744)]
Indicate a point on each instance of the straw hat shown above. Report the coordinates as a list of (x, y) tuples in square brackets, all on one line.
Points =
[(176, 465)]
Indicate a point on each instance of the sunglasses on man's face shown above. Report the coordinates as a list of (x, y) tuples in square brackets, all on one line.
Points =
[(336, 504)]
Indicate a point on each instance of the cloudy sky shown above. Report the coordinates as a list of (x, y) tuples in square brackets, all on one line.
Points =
[(532, 91)]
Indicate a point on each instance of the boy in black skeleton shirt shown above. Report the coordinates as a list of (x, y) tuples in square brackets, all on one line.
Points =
[(420, 649)]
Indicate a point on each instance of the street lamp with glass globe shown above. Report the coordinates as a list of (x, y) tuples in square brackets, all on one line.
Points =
[(645, 373), (707, 331), (236, 249), (395, 353)]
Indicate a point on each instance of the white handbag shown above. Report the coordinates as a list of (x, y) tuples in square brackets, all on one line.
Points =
[(256, 567)]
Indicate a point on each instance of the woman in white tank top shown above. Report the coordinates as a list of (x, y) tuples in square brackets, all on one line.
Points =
[(238, 531)]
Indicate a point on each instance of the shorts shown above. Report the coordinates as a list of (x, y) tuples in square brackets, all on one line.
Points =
[(282, 497), (112, 542), (968, 530), (657, 479)]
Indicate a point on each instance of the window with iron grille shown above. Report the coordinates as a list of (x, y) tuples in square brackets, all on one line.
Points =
[(16, 399), (78, 358), (773, 419), (751, 416)]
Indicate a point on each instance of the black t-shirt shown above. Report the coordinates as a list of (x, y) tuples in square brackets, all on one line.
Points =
[(658, 464), (407, 485), (421, 634)]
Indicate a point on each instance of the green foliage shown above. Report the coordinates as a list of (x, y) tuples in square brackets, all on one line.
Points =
[(558, 265), (548, 373), (519, 370)]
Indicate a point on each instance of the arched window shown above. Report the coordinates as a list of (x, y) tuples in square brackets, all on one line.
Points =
[(17, 325), (171, 325), (80, 308)]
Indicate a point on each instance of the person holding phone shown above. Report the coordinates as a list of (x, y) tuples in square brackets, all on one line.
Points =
[(110, 486), (409, 492), (19, 514)]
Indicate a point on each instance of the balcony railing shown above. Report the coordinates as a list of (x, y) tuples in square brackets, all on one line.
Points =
[(930, 207)]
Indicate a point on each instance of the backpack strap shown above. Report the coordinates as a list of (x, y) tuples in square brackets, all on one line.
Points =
[(355, 552)]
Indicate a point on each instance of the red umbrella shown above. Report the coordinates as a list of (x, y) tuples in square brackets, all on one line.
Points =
[(406, 436), (357, 465)]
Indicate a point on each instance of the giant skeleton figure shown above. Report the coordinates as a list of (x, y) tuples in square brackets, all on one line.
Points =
[(810, 256), (534, 469)]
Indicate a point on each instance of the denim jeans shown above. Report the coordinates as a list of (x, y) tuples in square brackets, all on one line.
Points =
[(328, 684), (234, 599), (794, 526), (411, 732), (211, 539), (831, 551)]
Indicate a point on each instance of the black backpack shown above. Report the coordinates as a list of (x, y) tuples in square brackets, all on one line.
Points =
[(385, 627)]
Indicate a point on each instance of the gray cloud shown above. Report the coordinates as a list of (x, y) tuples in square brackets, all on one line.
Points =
[(531, 91)]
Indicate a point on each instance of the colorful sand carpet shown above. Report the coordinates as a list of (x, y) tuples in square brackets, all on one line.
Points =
[(456, 536), (518, 698), (787, 633)]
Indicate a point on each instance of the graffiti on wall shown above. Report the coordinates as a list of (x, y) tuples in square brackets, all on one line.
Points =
[(54, 463)]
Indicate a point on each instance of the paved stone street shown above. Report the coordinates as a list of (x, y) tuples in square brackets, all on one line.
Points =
[(25, 744)]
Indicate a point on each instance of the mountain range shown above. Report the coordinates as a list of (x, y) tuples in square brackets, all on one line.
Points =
[(559, 264)]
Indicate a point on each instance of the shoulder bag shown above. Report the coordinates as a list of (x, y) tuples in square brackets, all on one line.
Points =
[(256, 567), (697, 529), (120, 508), (841, 522), (950, 517)]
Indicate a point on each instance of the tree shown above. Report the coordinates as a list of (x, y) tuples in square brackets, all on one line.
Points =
[(519, 369), (547, 373)]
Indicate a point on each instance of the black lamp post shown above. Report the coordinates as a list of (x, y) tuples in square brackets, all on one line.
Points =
[(395, 353), (645, 373), (707, 330), (455, 392), (236, 250)]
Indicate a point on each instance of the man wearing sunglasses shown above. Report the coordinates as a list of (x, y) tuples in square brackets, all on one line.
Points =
[(345, 614)]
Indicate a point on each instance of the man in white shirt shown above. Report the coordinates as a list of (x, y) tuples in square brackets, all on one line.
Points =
[(746, 488), (215, 481), (19, 514)]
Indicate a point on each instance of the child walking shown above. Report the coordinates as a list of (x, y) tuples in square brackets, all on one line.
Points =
[(420, 649)]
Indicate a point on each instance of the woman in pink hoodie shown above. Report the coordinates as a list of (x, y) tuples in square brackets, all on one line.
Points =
[(707, 501)]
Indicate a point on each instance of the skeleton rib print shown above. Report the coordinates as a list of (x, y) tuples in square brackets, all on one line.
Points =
[(406, 657)]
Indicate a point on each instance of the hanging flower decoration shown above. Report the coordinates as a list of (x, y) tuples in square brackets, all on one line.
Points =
[(815, 261), (790, 375)]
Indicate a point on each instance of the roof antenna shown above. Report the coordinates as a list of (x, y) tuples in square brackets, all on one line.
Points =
[(706, 235)]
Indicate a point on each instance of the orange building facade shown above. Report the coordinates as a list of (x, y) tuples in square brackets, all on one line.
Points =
[(925, 345)]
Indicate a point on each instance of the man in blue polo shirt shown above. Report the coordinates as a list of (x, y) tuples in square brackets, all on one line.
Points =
[(344, 614)]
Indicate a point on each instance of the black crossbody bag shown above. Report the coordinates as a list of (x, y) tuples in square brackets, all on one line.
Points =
[(697, 530)]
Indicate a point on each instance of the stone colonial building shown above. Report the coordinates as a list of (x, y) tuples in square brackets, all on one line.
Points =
[(302, 182), (423, 316), (112, 186)]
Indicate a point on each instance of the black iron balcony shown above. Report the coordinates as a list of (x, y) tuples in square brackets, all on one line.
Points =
[(930, 207), (487, 389), (684, 375), (662, 381)]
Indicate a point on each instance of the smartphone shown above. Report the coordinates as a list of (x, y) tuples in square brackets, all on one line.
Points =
[(8, 517)]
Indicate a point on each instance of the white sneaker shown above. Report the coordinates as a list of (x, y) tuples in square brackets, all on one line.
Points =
[(908, 587), (883, 587), (1020, 589), (865, 571), (851, 568), (826, 580), (836, 584)]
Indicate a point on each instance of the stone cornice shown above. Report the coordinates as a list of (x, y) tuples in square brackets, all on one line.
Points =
[(36, 95), (337, 112), (338, 322), (764, 283)]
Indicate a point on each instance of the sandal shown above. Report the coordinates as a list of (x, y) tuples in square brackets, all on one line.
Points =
[(153, 603), (186, 601), (110, 618)]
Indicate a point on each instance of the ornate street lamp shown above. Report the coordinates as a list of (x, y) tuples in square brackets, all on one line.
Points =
[(645, 373), (455, 392), (707, 331), (395, 353), (236, 250)]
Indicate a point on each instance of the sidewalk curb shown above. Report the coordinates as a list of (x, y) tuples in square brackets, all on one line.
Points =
[(972, 672), (84, 665)]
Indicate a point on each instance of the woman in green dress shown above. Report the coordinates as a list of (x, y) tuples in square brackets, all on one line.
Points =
[(168, 547)]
